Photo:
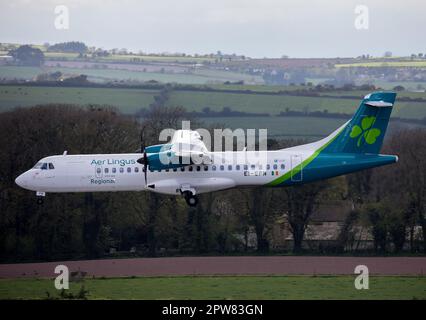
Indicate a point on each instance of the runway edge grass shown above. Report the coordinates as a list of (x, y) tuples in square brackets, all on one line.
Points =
[(223, 287)]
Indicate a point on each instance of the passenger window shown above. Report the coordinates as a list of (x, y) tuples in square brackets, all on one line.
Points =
[(237, 167), (229, 167), (268, 166), (222, 168), (129, 169), (174, 169), (114, 170), (136, 169), (198, 168), (121, 170), (245, 167), (206, 168), (98, 170), (182, 169), (106, 170), (275, 167), (190, 168), (51, 167), (214, 168), (167, 170), (282, 166)]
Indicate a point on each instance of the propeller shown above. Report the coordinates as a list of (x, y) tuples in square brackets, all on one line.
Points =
[(144, 159)]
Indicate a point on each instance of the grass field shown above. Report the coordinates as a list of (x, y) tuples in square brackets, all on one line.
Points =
[(121, 57), (152, 58), (131, 100), (128, 100), (375, 64), (274, 104), (309, 128), (289, 127), (225, 287), (129, 58), (199, 76)]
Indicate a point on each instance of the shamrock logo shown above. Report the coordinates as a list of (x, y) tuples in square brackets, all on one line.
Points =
[(370, 134)]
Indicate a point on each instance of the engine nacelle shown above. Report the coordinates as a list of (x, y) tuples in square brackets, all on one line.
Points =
[(158, 148)]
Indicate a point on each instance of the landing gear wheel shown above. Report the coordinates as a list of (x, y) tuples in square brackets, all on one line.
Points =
[(190, 199)]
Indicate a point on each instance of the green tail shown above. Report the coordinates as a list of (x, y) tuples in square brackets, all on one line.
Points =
[(366, 130)]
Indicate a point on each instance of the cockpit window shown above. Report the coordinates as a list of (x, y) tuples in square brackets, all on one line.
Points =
[(38, 165), (44, 166)]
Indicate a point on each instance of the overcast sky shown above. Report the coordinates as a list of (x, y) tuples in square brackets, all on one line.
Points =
[(256, 28)]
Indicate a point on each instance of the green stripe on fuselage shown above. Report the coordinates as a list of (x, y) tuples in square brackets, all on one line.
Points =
[(299, 167)]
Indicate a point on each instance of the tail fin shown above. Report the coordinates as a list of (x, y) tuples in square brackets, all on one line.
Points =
[(364, 133)]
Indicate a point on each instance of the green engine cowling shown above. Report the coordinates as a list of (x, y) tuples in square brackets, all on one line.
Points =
[(160, 157)]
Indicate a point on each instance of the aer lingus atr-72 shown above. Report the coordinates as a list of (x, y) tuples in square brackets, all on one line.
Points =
[(352, 147)]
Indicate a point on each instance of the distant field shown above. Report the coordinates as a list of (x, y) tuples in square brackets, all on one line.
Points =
[(180, 59), (129, 57), (408, 85), (123, 57), (289, 127), (258, 103), (375, 64), (62, 55), (226, 287), (128, 100), (360, 94), (309, 128), (274, 104), (199, 76), (131, 100)]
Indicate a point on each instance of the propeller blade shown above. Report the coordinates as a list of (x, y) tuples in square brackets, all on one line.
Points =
[(145, 160)]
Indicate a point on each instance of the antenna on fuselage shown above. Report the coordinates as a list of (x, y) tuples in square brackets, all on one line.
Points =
[(65, 153)]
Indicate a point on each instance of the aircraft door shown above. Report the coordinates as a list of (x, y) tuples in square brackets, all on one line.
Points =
[(296, 168)]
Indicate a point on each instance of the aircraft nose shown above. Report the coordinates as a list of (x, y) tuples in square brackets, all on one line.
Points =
[(21, 180)]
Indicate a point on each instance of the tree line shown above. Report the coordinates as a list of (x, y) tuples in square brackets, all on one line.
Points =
[(388, 201)]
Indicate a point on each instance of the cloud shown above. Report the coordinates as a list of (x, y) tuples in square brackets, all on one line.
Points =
[(252, 27)]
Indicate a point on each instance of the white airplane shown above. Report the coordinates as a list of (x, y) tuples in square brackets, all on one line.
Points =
[(352, 147)]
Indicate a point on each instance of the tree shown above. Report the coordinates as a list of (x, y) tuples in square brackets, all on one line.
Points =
[(398, 88), (377, 216), (261, 214), (28, 56), (72, 46), (409, 176), (26, 135), (403, 186), (301, 203), (157, 118)]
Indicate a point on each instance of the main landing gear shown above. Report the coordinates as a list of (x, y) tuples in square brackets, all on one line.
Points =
[(190, 198)]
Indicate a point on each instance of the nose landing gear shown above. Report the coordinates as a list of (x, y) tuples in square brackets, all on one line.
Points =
[(40, 197)]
